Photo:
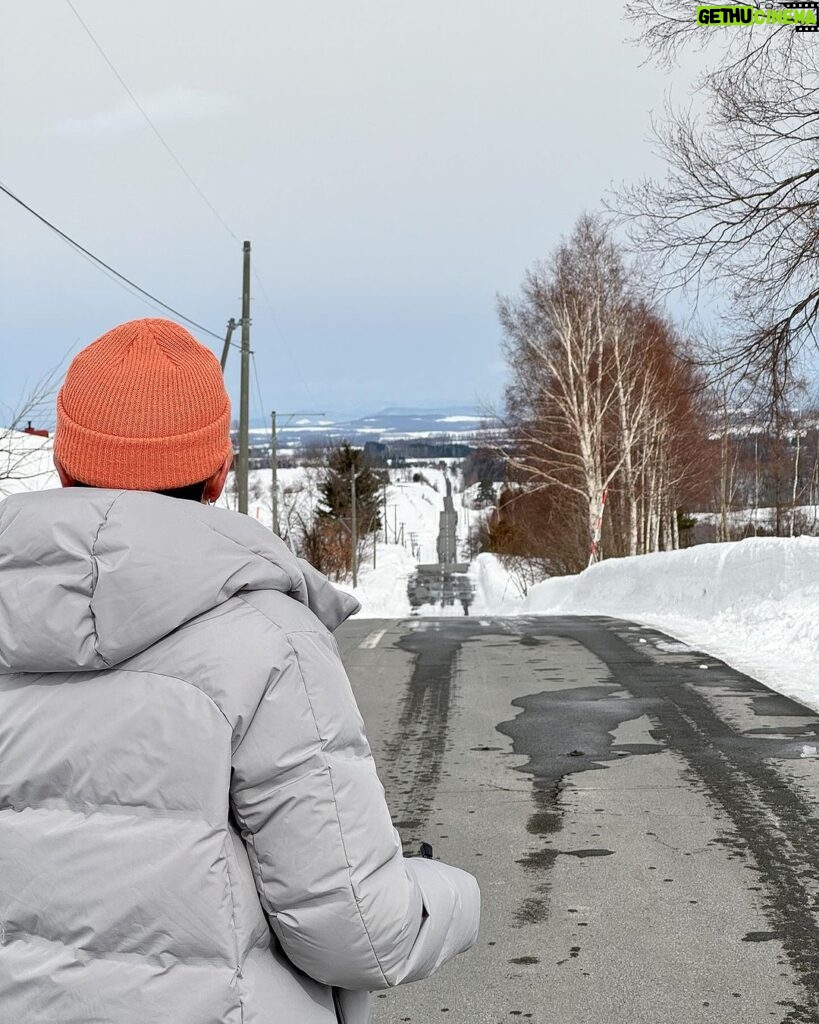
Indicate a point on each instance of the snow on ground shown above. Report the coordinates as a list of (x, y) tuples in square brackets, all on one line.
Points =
[(753, 603), (25, 463), (383, 591), (807, 518), (497, 591), (413, 511)]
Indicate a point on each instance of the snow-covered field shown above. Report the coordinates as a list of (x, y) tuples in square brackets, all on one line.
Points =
[(413, 511), (763, 519), (753, 603)]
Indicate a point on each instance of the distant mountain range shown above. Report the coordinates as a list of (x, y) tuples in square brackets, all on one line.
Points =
[(395, 422), (434, 410)]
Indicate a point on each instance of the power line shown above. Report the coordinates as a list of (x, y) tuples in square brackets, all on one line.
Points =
[(151, 124), (106, 267), (282, 338), (262, 410), (166, 145)]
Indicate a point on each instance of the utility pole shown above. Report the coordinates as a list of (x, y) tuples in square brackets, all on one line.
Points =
[(231, 327), (386, 538), (354, 528), (244, 395), (274, 473)]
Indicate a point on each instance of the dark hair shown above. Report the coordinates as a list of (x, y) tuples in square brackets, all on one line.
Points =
[(191, 492)]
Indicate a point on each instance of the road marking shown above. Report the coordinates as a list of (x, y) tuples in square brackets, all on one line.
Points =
[(371, 641)]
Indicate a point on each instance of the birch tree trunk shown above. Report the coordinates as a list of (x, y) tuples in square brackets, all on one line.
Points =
[(795, 490)]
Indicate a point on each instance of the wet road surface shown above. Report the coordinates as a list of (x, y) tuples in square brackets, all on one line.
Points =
[(640, 817)]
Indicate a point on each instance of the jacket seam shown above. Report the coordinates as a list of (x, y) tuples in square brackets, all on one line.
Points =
[(251, 833), (252, 550), (338, 816), (95, 579), (266, 687), (28, 934), (280, 631), (62, 804), (178, 679), (322, 631), (250, 845), (227, 848)]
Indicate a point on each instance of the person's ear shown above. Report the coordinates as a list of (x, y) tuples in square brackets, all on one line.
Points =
[(65, 479), (216, 484)]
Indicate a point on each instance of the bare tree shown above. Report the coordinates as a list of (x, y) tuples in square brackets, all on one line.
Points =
[(600, 398), (567, 340), (730, 403), (21, 454), (739, 206)]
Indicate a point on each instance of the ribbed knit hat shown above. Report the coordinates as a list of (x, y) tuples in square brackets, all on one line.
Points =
[(143, 408)]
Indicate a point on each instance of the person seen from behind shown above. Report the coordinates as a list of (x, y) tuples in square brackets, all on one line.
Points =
[(192, 830)]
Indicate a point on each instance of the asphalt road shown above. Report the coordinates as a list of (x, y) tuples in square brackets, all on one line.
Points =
[(639, 816)]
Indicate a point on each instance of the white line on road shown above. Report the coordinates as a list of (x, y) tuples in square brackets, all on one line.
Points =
[(372, 640)]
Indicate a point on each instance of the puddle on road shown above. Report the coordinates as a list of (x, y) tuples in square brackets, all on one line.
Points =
[(728, 729), (578, 689)]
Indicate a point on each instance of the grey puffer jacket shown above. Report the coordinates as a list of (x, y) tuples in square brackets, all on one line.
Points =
[(192, 830)]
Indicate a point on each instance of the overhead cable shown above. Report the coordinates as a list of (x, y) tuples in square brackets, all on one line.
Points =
[(151, 124), (106, 267)]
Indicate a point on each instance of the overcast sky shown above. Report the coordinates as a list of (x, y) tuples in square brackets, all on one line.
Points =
[(395, 165)]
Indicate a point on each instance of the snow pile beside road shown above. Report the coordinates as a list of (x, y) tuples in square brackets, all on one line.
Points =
[(753, 604), (497, 591), (383, 591)]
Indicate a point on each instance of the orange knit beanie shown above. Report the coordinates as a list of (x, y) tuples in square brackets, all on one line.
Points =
[(143, 408)]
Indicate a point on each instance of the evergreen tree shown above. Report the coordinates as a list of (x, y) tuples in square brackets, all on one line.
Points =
[(486, 492), (336, 490)]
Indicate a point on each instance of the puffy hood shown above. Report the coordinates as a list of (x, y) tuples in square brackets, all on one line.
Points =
[(89, 578)]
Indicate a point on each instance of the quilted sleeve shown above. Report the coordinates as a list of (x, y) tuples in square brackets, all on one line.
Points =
[(348, 909)]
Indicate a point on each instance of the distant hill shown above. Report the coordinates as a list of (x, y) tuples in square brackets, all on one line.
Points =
[(433, 410), (392, 423)]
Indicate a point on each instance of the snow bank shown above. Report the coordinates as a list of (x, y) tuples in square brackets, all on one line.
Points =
[(754, 604), (497, 592), (383, 591)]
